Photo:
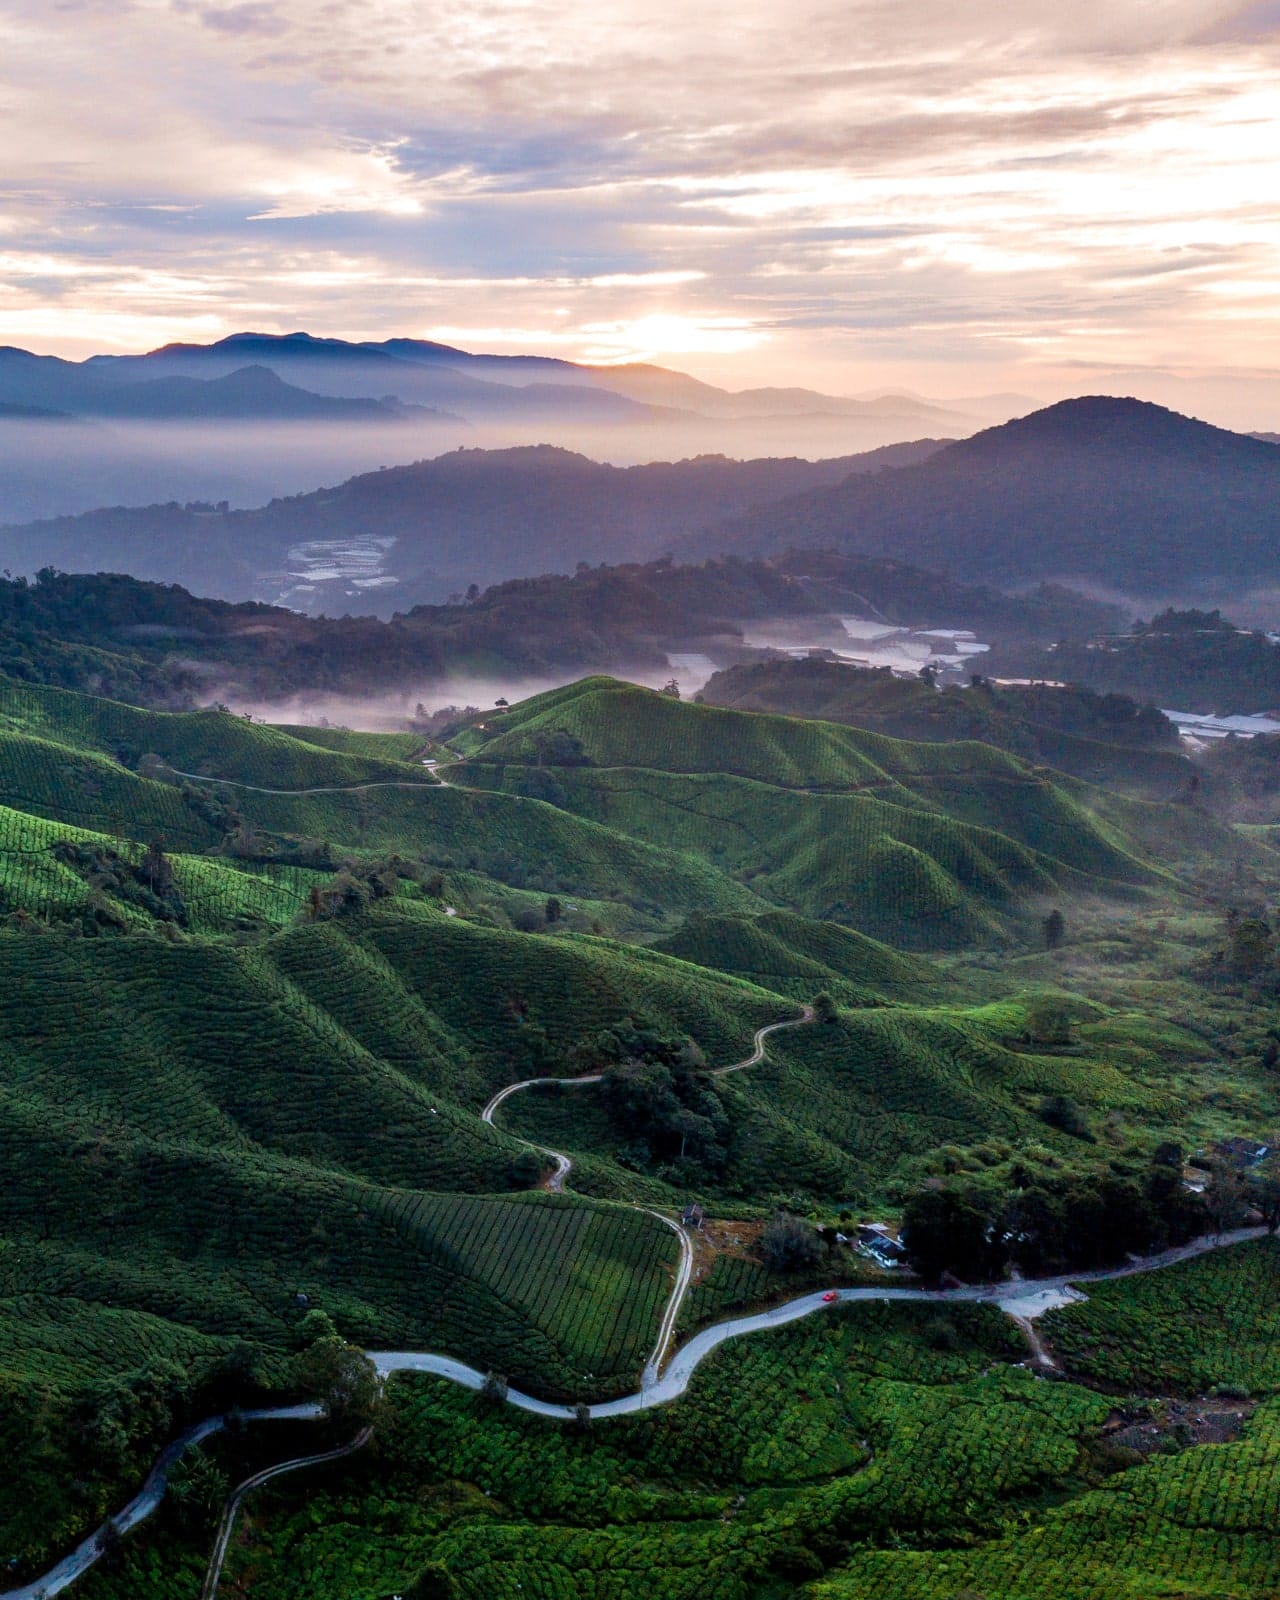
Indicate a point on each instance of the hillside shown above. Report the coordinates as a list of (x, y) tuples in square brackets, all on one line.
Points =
[(1187, 660), (1112, 491), (472, 516), (158, 644), (925, 844), (255, 1016), (1104, 739)]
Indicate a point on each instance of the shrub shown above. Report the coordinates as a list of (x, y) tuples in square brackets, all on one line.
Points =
[(789, 1244)]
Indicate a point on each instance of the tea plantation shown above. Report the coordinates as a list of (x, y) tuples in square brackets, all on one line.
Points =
[(257, 985), (875, 1452)]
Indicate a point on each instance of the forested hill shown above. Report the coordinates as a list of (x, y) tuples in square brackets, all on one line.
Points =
[(472, 516), (1115, 491), (157, 644)]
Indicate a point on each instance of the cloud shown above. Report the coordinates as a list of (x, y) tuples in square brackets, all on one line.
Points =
[(780, 193)]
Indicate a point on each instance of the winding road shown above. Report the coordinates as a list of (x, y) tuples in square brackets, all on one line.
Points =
[(1023, 1300), (209, 1588), (563, 1167), (148, 1498), (1026, 1298)]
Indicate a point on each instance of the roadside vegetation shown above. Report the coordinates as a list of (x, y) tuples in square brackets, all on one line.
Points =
[(248, 1034)]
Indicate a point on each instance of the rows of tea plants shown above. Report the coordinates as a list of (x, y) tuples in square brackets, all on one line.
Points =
[(353, 742), (518, 841), (905, 871), (620, 725), (199, 1040), (209, 743), (39, 878), (1204, 1522), (348, 979), (793, 955), (522, 1002), (91, 791), (1213, 1321), (788, 1447), (731, 1284), (592, 1279)]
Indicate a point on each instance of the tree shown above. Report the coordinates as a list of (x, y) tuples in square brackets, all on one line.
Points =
[(582, 1416), (1266, 1196), (1060, 1111), (558, 748), (824, 1008), (554, 910), (432, 1583), (1054, 928), (949, 1230), (198, 1486), (1251, 947), (526, 1169), (494, 1388), (1048, 1022), (789, 1244), (671, 689), (339, 1374), (1226, 1197)]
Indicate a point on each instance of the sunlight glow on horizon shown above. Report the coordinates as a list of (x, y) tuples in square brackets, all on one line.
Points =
[(977, 200)]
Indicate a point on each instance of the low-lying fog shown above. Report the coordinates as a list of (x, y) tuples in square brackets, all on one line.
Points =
[(392, 713), (60, 468), (855, 640)]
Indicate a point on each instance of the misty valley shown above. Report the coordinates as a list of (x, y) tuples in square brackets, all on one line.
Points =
[(616, 989)]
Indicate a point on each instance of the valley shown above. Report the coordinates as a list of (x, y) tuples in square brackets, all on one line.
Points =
[(328, 995)]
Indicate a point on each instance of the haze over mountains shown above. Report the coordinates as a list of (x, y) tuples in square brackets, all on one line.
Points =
[(1108, 491), (406, 535), (1100, 492), (414, 398)]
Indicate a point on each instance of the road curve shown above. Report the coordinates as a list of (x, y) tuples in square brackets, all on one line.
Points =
[(563, 1167), (148, 1498), (424, 783), (661, 1391), (1028, 1297), (209, 1588)]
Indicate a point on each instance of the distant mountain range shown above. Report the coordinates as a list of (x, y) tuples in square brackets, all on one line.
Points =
[(1101, 490), (412, 398), (1096, 492), (232, 378), (384, 541)]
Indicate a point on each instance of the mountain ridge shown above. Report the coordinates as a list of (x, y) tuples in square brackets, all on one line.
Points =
[(1108, 489)]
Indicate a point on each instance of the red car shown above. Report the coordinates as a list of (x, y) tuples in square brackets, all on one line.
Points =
[(830, 1297)]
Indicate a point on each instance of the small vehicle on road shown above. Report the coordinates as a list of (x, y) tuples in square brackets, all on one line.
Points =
[(830, 1297)]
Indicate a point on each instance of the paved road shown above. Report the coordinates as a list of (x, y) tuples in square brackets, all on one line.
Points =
[(563, 1167), (425, 783), (148, 1498), (1028, 1297), (660, 1391), (209, 1589)]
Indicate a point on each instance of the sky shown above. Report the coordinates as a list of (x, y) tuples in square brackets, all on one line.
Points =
[(1032, 195)]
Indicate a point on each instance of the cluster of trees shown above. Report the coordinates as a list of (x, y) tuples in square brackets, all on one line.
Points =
[(1194, 660), (359, 882), (1044, 1223), (1063, 726), (662, 1100), (147, 882), (157, 644), (789, 1244), (1250, 949)]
